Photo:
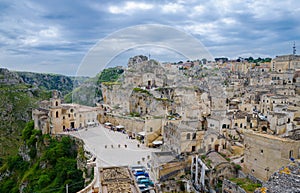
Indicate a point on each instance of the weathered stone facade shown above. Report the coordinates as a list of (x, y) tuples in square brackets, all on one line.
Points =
[(55, 117), (285, 63), (264, 154), (182, 138)]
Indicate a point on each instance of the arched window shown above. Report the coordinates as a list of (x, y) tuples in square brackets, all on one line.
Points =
[(56, 103), (56, 114), (188, 136)]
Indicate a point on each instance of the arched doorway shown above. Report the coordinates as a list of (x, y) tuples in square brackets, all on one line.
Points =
[(217, 147)]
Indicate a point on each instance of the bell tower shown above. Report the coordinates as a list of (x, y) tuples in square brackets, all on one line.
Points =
[(55, 113)]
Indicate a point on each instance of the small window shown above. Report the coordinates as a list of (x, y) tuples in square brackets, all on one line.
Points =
[(291, 154), (194, 135), (188, 136), (151, 129), (212, 139), (193, 148), (56, 103), (56, 114), (261, 151)]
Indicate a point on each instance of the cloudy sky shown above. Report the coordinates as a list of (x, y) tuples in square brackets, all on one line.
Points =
[(55, 36)]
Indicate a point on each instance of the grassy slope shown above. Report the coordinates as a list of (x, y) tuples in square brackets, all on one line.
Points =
[(15, 110), (52, 165)]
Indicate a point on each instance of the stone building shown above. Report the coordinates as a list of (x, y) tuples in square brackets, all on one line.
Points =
[(268, 101), (54, 116), (258, 78), (282, 78), (166, 164), (264, 153), (185, 137), (285, 62)]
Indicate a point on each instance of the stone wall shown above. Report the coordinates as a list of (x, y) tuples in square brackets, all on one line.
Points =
[(264, 154), (132, 124), (153, 129)]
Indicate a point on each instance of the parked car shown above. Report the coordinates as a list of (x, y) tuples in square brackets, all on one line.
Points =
[(145, 181), (141, 177), (144, 188), (138, 170), (140, 173)]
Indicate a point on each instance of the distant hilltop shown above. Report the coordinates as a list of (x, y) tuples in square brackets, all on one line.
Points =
[(9, 78), (47, 81), (136, 59)]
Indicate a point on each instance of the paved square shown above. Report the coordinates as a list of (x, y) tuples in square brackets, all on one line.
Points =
[(109, 147)]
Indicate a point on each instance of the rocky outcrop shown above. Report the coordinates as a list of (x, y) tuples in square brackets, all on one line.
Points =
[(8, 78), (285, 180)]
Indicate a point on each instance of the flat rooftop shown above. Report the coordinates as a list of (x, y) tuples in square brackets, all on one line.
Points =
[(164, 157)]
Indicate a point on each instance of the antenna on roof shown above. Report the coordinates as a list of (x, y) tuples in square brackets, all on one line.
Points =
[(294, 49), (149, 56)]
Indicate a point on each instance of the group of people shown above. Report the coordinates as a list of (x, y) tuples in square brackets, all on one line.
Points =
[(70, 129)]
